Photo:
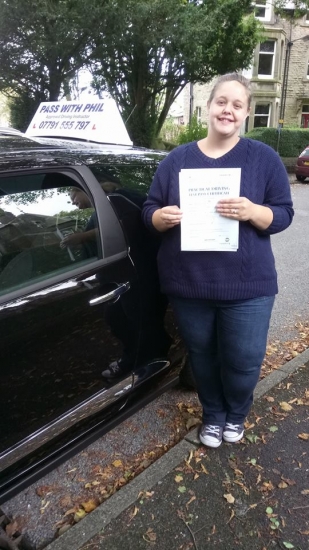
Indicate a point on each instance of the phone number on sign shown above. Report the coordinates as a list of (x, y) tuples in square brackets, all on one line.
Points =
[(65, 125)]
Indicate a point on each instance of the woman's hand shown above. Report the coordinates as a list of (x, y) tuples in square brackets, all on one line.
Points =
[(243, 210), (167, 217)]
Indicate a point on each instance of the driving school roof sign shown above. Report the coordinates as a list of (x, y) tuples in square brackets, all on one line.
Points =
[(98, 120)]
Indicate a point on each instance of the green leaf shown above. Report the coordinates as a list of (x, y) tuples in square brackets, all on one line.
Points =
[(252, 438), (288, 545), (269, 510), (273, 428), (182, 489), (253, 461)]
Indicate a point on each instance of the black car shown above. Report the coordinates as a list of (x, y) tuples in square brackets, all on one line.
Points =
[(79, 296)]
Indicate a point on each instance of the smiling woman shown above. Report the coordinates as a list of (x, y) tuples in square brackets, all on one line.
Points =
[(222, 299)]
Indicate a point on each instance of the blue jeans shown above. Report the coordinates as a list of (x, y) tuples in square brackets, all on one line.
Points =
[(226, 342)]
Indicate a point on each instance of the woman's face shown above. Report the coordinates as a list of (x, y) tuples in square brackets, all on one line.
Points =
[(228, 109)]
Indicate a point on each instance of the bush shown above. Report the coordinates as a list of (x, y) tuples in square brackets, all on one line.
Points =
[(170, 131), (192, 132), (291, 143)]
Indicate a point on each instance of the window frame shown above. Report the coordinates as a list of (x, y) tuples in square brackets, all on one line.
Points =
[(198, 114), (264, 76), (256, 115), (268, 10)]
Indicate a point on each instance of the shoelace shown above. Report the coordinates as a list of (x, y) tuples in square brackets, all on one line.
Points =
[(233, 427), (213, 429)]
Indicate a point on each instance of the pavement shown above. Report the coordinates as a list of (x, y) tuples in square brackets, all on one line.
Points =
[(251, 495)]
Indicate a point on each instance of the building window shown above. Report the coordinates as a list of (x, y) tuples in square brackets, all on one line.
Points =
[(262, 9), (198, 114), (266, 59), (261, 116), (305, 116)]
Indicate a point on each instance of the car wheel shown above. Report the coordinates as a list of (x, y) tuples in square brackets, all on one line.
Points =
[(301, 178)]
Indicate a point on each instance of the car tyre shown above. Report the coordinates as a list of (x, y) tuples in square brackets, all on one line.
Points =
[(300, 178)]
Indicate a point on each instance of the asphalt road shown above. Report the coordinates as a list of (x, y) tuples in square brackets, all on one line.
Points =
[(291, 249), (39, 509)]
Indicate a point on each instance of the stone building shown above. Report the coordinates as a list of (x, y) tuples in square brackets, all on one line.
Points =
[(279, 73)]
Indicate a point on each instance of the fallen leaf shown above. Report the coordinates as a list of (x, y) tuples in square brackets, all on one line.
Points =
[(117, 463), (288, 481), (252, 438), (80, 514), (44, 490), (282, 485), (178, 478), (182, 489), (150, 536), (270, 399), (304, 437), (71, 511), (64, 528), (230, 499), (42, 509), (190, 457), (285, 406), (191, 500), (12, 528), (90, 505), (288, 545), (305, 492), (273, 429)]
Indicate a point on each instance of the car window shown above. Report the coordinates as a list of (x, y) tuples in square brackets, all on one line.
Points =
[(48, 226), (133, 177)]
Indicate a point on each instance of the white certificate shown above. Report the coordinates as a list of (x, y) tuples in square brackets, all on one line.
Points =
[(202, 227)]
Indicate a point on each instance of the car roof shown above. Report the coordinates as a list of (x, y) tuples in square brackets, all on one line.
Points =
[(17, 152)]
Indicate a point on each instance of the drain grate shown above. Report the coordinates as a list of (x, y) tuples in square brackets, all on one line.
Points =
[(7, 543)]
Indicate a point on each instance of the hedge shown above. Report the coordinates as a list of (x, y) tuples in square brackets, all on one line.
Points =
[(291, 143)]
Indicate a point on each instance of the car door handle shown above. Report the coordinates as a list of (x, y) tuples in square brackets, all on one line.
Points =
[(113, 295)]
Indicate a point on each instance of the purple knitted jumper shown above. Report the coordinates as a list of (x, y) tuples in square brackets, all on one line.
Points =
[(248, 273)]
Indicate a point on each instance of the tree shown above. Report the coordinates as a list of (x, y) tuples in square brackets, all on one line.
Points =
[(151, 49), (43, 43)]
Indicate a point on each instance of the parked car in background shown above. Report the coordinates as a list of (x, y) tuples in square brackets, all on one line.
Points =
[(302, 165), (72, 308)]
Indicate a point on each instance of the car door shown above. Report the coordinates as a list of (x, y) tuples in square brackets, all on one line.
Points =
[(66, 308)]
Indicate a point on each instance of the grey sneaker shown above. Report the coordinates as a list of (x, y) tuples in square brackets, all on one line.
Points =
[(211, 435), (233, 432)]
